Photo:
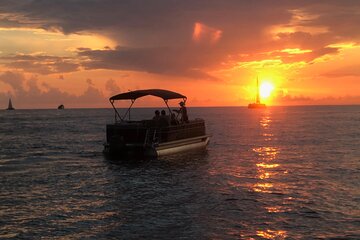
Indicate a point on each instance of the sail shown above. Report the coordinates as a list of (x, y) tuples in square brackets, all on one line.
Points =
[(257, 91), (10, 106)]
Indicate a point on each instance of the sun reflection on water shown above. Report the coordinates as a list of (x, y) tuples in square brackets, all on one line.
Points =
[(264, 175), (265, 165), (277, 209), (273, 209), (268, 153), (268, 173), (263, 187), (266, 168), (271, 234), (265, 122)]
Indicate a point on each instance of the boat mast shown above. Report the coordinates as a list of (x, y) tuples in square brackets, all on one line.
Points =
[(257, 91)]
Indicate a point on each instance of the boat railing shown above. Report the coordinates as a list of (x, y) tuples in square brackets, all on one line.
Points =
[(155, 135), (150, 136)]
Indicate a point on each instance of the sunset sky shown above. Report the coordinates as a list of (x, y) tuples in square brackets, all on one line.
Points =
[(81, 52)]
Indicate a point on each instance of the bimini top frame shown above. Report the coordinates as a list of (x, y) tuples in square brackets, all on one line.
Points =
[(133, 95)]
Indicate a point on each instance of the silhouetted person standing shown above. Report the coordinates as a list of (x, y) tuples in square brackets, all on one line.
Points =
[(184, 117)]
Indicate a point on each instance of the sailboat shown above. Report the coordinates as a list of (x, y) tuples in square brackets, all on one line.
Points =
[(10, 106), (257, 103)]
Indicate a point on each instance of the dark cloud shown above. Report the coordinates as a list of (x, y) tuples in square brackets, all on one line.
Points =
[(158, 36), (340, 17), (168, 61), (305, 40), (41, 64)]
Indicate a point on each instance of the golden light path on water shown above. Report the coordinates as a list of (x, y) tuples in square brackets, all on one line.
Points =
[(267, 168)]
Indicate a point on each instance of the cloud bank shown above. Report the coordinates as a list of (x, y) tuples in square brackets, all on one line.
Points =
[(28, 92), (184, 38)]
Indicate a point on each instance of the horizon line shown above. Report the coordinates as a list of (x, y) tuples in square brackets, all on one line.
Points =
[(228, 106)]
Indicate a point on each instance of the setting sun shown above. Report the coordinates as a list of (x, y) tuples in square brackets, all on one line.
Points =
[(266, 89)]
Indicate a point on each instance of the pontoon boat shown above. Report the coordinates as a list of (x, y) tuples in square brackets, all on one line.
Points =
[(151, 137)]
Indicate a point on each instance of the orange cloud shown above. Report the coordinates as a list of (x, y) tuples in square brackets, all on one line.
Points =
[(204, 33)]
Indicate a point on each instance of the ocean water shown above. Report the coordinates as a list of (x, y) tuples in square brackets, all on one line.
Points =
[(279, 173)]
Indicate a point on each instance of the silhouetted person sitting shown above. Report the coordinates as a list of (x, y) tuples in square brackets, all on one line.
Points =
[(157, 115), (183, 111), (164, 119)]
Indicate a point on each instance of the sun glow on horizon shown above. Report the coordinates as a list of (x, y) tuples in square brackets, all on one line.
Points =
[(266, 89)]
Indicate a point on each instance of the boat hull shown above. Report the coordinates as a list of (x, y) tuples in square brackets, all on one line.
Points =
[(163, 149), (256, 105), (185, 145), (141, 139)]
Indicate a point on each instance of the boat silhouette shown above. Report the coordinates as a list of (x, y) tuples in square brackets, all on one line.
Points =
[(257, 103), (61, 106), (10, 106)]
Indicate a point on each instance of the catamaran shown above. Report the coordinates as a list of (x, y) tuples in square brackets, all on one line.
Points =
[(150, 137), (10, 106), (257, 103)]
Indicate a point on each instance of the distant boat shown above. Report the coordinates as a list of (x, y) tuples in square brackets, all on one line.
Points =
[(257, 103), (10, 106), (61, 106)]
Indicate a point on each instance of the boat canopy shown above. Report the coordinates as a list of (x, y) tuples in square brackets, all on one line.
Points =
[(133, 95)]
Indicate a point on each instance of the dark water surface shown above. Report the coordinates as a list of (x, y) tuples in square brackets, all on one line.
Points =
[(279, 173)]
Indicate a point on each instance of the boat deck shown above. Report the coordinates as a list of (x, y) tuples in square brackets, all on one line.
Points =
[(141, 135)]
